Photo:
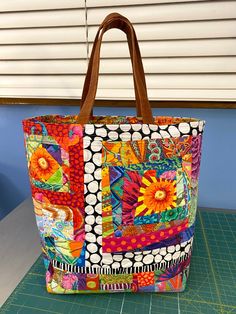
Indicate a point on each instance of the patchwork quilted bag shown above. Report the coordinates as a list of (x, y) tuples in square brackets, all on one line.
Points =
[(115, 198)]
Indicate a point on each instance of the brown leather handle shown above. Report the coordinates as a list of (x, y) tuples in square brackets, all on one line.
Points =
[(115, 20), (108, 18)]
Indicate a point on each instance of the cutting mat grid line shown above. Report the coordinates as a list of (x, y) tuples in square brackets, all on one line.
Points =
[(211, 286)]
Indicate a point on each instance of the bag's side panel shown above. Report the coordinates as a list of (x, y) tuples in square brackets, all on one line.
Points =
[(55, 162)]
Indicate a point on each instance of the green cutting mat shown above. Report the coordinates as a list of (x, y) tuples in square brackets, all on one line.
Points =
[(211, 286)]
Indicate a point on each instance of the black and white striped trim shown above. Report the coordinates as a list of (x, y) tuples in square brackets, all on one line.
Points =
[(116, 286), (108, 270)]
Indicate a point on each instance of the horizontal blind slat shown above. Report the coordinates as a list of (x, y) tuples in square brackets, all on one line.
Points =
[(174, 81), (157, 31), (154, 94), (111, 3), (24, 5), (173, 31), (186, 48), (44, 35), (171, 94), (213, 47), (42, 18), (111, 66), (172, 65), (43, 67), (169, 12), (48, 51)]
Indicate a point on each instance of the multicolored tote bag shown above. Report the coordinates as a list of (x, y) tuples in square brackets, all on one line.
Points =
[(115, 198)]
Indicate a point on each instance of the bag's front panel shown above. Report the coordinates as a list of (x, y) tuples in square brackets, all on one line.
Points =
[(138, 197), (115, 204)]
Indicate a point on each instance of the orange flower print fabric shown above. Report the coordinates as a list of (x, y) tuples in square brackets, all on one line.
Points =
[(42, 164), (157, 195)]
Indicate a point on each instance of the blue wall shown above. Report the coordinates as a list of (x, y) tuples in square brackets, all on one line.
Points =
[(218, 168)]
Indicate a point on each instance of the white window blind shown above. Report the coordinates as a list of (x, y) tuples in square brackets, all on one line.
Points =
[(188, 48)]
